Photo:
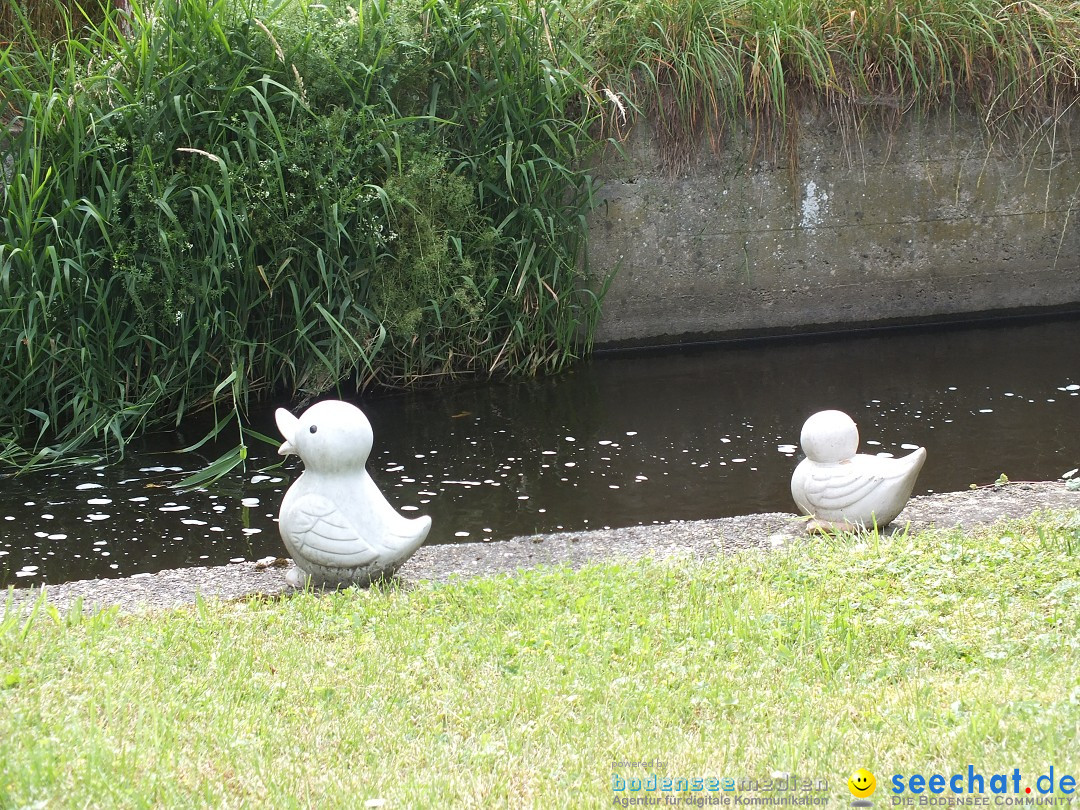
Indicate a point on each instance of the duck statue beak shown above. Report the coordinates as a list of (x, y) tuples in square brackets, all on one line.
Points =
[(286, 423)]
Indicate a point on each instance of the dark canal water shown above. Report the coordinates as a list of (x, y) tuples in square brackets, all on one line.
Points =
[(622, 440)]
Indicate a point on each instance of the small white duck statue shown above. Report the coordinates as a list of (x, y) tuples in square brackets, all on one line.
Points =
[(335, 522), (845, 490)]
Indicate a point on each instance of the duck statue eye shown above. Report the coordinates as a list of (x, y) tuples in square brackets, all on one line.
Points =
[(314, 428)]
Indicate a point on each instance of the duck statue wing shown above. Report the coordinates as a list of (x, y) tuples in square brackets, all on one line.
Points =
[(323, 535), (838, 487)]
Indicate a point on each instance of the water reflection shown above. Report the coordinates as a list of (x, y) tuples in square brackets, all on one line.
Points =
[(622, 440)]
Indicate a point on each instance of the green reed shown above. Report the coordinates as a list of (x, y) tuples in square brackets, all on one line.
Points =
[(29, 21), (212, 203)]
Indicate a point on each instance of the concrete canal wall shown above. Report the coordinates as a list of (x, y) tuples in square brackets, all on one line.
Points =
[(931, 221)]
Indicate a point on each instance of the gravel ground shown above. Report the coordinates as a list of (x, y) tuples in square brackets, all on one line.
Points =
[(703, 538)]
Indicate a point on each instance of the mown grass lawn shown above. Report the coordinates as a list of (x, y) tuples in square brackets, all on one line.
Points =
[(904, 654)]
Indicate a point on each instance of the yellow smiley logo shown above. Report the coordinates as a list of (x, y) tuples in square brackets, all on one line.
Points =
[(862, 783)]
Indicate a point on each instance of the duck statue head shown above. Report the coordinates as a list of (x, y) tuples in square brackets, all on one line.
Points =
[(334, 521)]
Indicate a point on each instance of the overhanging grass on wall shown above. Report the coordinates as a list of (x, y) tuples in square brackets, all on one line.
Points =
[(697, 66), (208, 202)]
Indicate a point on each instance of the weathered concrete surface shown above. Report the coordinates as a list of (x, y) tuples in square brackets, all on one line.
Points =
[(930, 221)]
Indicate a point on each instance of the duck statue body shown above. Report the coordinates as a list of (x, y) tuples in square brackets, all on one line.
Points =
[(334, 521), (846, 490)]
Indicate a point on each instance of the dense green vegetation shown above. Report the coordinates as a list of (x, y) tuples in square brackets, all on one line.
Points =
[(210, 202), (902, 654), (698, 66)]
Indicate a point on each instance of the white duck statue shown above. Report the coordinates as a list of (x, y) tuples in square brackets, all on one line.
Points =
[(335, 522), (846, 490)]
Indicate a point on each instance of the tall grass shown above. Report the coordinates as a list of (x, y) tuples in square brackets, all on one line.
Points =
[(211, 202), (28, 21), (699, 66)]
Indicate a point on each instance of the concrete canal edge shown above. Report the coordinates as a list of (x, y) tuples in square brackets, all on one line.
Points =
[(703, 539), (931, 221)]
